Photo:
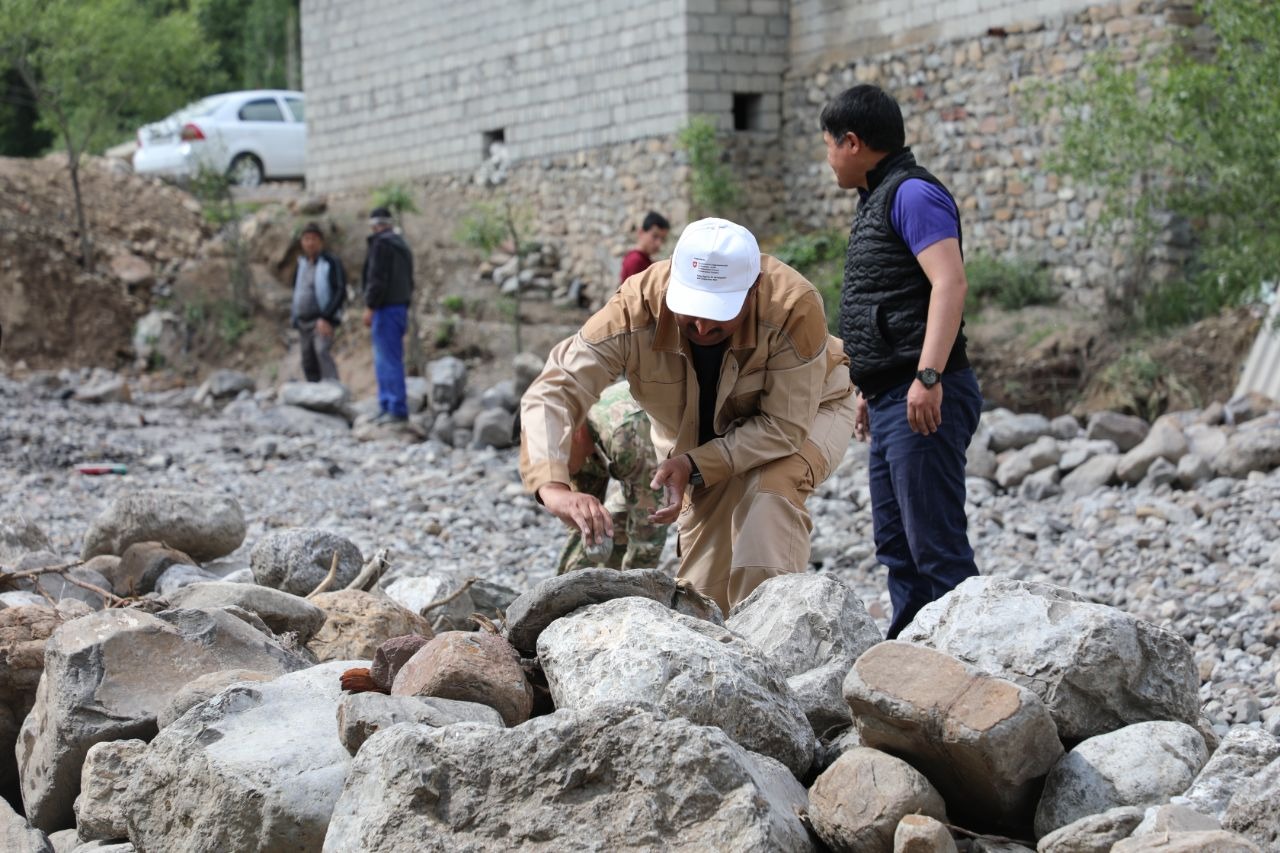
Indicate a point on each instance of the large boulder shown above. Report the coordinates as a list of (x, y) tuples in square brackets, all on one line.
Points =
[(329, 397), (917, 833), (203, 525), (1126, 431), (1249, 450), (108, 768), (141, 565), (813, 627), (469, 666), (1096, 667), (362, 714), (417, 592), (638, 650), (857, 802), (356, 623), (297, 559), (76, 583), (201, 689), (1210, 841), (1021, 464), (530, 614), (106, 677), (448, 377), (1014, 432), (1091, 475), (1139, 765), (607, 777), (1164, 441), (391, 656), (258, 767), (18, 836), (281, 611), (983, 741), (1095, 833), (494, 428), (1252, 811), (1241, 756)]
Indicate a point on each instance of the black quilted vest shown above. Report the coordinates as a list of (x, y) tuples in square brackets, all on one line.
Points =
[(885, 301)]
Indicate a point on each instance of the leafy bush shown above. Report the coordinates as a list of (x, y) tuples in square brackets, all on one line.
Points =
[(713, 188), (819, 257), (1011, 284), (453, 303), (394, 197)]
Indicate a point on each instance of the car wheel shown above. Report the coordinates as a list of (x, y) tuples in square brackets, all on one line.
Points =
[(245, 171)]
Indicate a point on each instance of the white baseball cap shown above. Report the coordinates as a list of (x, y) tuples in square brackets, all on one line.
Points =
[(715, 263)]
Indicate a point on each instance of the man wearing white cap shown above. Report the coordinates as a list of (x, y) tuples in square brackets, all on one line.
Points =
[(749, 399)]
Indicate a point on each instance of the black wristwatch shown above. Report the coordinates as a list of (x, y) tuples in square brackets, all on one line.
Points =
[(928, 377), (695, 476)]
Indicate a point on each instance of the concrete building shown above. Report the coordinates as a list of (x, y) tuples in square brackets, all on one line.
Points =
[(585, 98)]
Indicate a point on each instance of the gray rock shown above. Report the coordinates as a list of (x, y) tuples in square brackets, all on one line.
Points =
[(448, 377), (108, 767), (1215, 841), (1172, 817), (281, 611), (527, 366), (1042, 453), (415, 593), (829, 751), (1161, 473), (22, 598), (492, 599), (417, 390), (1041, 485), (983, 741), (1252, 810), (857, 802), (159, 338), (205, 526), (530, 614), (330, 398), (1126, 431), (257, 767), (1241, 756), (1064, 427), (106, 677), (108, 389), (362, 714), (494, 428), (18, 836), (297, 421), (813, 627), (297, 559), (18, 536), (178, 576), (1249, 450), (638, 650), (980, 462), (605, 778), (501, 396), (64, 840), (203, 688), (1193, 470), (244, 575), (1097, 668), (1164, 441), (224, 385), (1017, 431), (1081, 450), (1206, 441), (1095, 833), (139, 568), (1091, 475), (1139, 765), (59, 586)]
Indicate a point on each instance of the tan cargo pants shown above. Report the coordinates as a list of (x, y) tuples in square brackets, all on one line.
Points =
[(738, 533)]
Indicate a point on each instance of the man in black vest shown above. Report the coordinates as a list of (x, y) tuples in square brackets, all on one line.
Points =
[(901, 314)]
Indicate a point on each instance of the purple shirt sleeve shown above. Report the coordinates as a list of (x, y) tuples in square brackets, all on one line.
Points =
[(923, 214)]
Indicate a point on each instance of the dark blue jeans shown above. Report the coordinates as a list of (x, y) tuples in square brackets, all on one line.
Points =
[(917, 495), (389, 323)]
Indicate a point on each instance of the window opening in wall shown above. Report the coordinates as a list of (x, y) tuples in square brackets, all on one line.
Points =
[(748, 111), (492, 138)]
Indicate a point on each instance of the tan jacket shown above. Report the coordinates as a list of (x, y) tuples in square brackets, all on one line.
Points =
[(779, 367)]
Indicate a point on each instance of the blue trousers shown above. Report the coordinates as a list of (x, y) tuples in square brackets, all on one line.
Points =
[(389, 323), (917, 495)]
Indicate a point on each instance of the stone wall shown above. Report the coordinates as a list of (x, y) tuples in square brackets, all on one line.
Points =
[(967, 105)]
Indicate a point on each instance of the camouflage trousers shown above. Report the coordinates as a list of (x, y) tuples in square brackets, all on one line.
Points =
[(631, 461)]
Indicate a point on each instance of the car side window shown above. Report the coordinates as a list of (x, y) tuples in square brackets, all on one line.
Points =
[(263, 110), (298, 108)]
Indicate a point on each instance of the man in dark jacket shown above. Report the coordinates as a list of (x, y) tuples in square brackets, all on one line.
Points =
[(388, 290), (319, 295), (901, 314)]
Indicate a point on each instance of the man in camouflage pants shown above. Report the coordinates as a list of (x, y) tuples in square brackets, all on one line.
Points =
[(614, 443)]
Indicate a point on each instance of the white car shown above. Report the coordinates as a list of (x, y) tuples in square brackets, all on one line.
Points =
[(249, 136)]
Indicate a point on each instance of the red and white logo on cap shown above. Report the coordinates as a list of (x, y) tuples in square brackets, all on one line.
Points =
[(695, 265)]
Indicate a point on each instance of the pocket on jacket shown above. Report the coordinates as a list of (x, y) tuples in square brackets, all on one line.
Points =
[(744, 398)]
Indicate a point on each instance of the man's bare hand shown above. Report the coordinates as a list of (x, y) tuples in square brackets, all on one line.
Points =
[(861, 419), (672, 477), (368, 317), (579, 510), (324, 328), (924, 408)]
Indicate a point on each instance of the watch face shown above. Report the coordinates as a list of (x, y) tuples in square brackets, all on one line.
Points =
[(928, 377)]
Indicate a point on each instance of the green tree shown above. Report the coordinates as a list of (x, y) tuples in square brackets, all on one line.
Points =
[(1193, 135), (495, 225), (713, 188), (97, 69)]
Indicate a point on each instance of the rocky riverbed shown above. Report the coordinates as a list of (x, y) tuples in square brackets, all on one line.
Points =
[(1201, 561)]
